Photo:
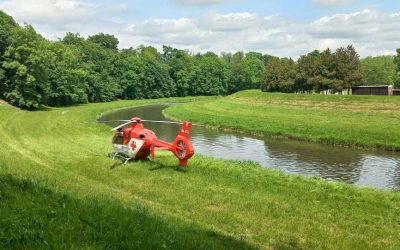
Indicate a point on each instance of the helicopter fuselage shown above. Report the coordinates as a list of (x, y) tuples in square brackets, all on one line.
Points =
[(136, 142)]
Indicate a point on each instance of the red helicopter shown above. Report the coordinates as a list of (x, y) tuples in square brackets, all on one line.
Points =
[(136, 142)]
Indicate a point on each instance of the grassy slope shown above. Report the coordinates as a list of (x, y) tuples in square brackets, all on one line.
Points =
[(362, 121), (77, 197)]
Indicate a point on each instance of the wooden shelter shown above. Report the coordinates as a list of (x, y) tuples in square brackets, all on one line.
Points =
[(373, 90)]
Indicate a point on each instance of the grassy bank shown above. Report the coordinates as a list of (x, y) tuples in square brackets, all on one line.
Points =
[(360, 121), (58, 189)]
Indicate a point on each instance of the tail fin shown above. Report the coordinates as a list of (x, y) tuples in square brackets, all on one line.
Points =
[(182, 146)]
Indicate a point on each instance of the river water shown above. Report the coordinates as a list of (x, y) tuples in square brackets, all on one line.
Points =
[(376, 169)]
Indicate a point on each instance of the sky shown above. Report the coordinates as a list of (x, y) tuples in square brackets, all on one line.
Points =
[(285, 28)]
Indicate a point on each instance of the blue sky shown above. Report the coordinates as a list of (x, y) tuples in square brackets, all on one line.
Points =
[(283, 28), (301, 9)]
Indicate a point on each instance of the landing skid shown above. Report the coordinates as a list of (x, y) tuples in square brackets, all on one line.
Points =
[(118, 155)]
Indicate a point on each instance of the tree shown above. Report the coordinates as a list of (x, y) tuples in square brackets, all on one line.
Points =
[(73, 39), (142, 77), (316, 71), (98, 65), (128, 68), (238, 79), (155, 79), (279, 76), (178, 61), (380, 70), (348, 68), (243, 71), (149, 53), (310, 73), (207, 76), (26, 63), (66, 76), (105, 40), (7, 27), (396, 61)]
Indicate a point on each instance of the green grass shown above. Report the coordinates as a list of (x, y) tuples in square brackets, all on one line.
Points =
[(34, 216), (356, 121), (58, 189)]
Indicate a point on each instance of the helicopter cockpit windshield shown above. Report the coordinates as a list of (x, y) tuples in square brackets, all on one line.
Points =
[(118, 139)]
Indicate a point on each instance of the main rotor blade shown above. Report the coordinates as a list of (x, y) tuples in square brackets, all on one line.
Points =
[(115, 121), (129, 121), (172, 122), (122, 125), (162, 122), (126, 122)]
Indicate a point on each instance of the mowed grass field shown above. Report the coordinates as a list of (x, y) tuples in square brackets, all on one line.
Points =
[(357, 121), (58, 189)]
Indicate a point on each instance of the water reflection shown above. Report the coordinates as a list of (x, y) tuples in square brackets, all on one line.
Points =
[(361, 167)]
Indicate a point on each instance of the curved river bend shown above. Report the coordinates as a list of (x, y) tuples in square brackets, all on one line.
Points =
[(361, 167)]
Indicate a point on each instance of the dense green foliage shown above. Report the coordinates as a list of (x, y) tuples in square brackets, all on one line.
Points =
[(371, 122), (105, 40), (397, 63), (380, 70), (66, 193), (280, 75), (315, 72), (35, 72), (7, 24), (245, 70)]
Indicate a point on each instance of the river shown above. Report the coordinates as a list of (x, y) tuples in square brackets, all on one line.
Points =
[(378, 169)]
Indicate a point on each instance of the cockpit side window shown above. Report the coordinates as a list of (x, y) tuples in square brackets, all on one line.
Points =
[(117, 139)]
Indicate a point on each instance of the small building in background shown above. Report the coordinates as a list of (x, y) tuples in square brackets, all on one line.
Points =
[(373, 90), (396, 92)]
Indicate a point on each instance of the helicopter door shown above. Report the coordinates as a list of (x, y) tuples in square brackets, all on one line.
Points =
[(135, 145)]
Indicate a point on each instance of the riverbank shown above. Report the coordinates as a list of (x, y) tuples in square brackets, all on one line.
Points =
[(354, 121), (56, 182)]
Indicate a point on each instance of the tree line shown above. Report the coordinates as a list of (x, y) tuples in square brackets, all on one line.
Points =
[(329, 71), (75, 70)]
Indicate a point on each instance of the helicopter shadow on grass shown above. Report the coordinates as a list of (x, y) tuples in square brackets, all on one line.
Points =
[(160, 166), (116, 164)]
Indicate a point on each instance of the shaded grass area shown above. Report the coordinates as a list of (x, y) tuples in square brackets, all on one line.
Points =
[(33, 216), (356, 121), (59, 157)]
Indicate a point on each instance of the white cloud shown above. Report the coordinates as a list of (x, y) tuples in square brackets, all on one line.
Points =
[(54, 18), (229, 22), (219, 32), (364, 25), (372, 32), (334, 3), (50, 11), (162, 26)]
